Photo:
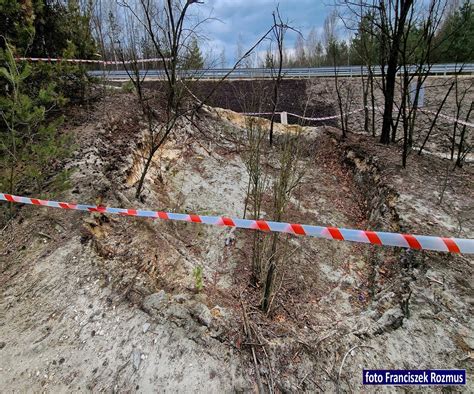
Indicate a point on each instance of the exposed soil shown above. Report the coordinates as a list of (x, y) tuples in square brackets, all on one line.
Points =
[(257, 96), (97, 302), (439, 142)]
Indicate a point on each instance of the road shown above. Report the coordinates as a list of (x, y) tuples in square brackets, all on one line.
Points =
[(262, 73)]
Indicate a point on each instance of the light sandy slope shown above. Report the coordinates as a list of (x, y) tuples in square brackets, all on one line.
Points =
[(92, 302)]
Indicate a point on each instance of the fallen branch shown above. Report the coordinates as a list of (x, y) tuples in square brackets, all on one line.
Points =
[(46, 235), (435, 280), (344, 360), (248, 334)]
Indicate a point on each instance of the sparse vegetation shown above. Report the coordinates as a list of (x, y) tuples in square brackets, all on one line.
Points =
[(287, 180), (152, 303), (198, 281), (257, 186)]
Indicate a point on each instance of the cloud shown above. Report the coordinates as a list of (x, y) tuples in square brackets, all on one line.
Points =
[(250, 19)]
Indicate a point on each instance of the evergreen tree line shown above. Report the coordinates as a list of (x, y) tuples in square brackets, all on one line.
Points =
[(122, 34), (49, 28), (33, 95), (452, 43)]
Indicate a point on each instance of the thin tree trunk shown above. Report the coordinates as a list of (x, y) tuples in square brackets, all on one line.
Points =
[(279, 31), (144, 172), (339, 98), (392, 64), (462, 137), (270, 275), (389, 95), (433, 123), (365, 100), (372, 100)]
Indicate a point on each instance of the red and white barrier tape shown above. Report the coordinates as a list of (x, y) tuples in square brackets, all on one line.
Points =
[(454, 120), (112, 62), (78, 61), (327, 117), (423, 242), (259, 113), (304, 117)]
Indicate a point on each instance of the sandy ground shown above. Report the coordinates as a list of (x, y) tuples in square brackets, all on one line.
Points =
[(67, 331), (91, 302), (322, 90)]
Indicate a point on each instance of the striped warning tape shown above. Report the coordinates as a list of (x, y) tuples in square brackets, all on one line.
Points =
[(112, 62), (304, 117), (452, 119), (259, 113), (327, 117), (78, 61), (453, 245)]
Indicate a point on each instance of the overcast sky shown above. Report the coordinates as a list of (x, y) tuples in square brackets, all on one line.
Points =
[(251, 18)]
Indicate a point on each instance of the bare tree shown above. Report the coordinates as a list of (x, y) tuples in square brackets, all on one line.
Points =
[(257, 184), (333, 54), (460, 97), (164, 24), (279, 30), (129, 54), (222, 59), (436, 117), (240, 52), (289, 177), (364, 46), (392, 17), (389, 20), (415, 56), (300, 52), (406, 36), (313, 48), (463, 148)]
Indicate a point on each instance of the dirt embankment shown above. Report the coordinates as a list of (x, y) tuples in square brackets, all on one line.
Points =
[(98, 302), (257, 96), (439, 141), (429, 296)]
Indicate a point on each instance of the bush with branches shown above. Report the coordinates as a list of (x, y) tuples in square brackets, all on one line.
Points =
[(30, 142)]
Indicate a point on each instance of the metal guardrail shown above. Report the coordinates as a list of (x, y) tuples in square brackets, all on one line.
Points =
[(262, 73)]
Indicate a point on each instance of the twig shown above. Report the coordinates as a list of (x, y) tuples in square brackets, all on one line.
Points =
[(288, 255), (344, 360), (325, 337), (45, 235), (6, 225), (261, 338), (317, 385), (435, 280), (270, 369), (60, 224), (249, 336), (253, 344), (302, 380), (275, 293)]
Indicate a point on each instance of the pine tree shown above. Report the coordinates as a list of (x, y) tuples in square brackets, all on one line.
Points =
[(29, 141), (222, 59), (45, 28), (269, 61), (364, 46), (42, 28), (455, 40), (17, 22), (193, 59), (300, 52)]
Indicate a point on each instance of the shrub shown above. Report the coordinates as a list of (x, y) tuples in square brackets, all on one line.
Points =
[(198, 282), (30, 144)]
